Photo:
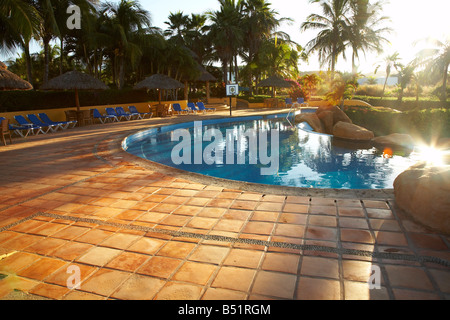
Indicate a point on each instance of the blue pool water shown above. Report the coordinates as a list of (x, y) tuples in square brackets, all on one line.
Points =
[(306, 159)]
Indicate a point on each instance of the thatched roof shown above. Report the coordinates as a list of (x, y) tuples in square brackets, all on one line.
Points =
[(3, 66), (11, 81), (159, 81), (274, 81), (205, 75), (74, 80)]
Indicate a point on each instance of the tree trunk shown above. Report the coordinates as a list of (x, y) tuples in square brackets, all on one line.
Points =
[(121, 72), (61, 54), (46, 41), (26, 50), (236, 72), (444, 84)]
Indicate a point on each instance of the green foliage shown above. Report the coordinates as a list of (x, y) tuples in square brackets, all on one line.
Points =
[(421, 124), (408, 103), (11, 101)]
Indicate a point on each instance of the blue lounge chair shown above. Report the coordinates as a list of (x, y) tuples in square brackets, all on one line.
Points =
[(24, 123), (62, 124), (46, 127), (201, 107), (112, 112), (177, 108), (139, 115), (102, 118), (192, 108), (288, 102), (122, 114), (19, 130)]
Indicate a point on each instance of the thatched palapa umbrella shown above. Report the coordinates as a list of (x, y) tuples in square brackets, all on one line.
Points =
[(11, 81), (75, 80), (274, 82), (159, 82)]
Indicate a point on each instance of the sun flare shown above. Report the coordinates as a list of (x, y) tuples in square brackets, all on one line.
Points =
[(433, 156)]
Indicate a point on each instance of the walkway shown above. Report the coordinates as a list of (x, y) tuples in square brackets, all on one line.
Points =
[(73, 204)]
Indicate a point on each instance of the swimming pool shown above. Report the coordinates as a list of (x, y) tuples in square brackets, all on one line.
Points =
[(304, 158)]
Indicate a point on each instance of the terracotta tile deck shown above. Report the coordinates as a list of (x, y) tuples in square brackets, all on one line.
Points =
[(72, 200)]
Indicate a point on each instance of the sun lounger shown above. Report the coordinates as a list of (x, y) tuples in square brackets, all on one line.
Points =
[(177, 108), (139, 115), (19, 130), (192, 108), (288, 102), (62, 124), (112, 112), (46, 127), (102, 118), (122, 114), (24, 123), (201, 107)]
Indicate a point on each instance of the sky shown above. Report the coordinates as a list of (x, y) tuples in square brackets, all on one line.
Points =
[(411, 20)]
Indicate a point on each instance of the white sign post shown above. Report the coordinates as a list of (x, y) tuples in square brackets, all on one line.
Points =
[(232, 90)]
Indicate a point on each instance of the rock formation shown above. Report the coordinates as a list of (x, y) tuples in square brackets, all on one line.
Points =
[(423, 192)]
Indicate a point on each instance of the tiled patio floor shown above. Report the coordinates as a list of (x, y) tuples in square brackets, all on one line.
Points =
[(67, 201)]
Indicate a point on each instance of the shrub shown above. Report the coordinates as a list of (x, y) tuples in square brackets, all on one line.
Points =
[(34, 100), (421, 124)]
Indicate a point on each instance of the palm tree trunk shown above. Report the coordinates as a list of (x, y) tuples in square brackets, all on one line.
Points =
[(61, 53), (121, 72), (444, 84), (26, 51), (46, 58)]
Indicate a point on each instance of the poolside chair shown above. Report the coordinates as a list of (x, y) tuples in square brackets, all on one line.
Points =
[(177, 108), (140, 115), (19, 130), (24, 123), (112, 112), (192, 108), (122, 114), (4, 130), (201, 107), (46, 127), (102, 118), (301, 102), (62, 124), (288, 102)]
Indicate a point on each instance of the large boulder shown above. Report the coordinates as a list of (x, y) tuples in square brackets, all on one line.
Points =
[(339, 115), (327, 119), (350, 131), (312, 120), (423, 192), (395, 140)]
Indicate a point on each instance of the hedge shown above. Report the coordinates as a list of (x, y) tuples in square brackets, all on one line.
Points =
[(422, 124), (406, 104), (11, 101)]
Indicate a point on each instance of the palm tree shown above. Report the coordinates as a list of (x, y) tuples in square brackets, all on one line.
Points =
[(332, 26), (226, 32), (48, 29), (405, 76), (310, 81), (364, 33), (260, 23), (177, 23), (390, 61), (125, 22), (19, 21), (436, 59)]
